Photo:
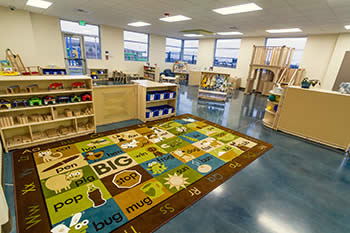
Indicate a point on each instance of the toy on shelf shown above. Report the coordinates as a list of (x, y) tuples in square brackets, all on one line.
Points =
[(75, 98), (20, 102), (275, 108), (5, 104), (272, 98), (56, 86), (37, 135), (13, 89), (16, 140), (86, 97), (83, 126), (32, 88), (88, 111), (63, 99), (22, 119), (51, 133), (35, 100), (49, 100), (269, 108), (78, 85), (53, 71), (62, 130), (6, 121), (68, 112)]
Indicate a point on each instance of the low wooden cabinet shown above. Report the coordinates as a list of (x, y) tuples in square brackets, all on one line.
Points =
[(40, 109)]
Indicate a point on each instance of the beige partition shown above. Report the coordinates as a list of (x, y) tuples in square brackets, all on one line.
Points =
[(194, 78), (115, 103), (318, 115)]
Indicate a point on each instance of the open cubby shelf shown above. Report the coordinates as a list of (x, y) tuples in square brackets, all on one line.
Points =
[(26, 126)]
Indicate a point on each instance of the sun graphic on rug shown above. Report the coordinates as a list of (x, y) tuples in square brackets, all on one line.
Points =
[(176, 181)]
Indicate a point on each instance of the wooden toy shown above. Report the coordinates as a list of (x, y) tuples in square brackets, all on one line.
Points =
[(63, 99), (13, 89), (51, 133), (55, 86), (75, 98), (86, 97), (77, 113), (88, 111), (37, 135), (49, 100), (22, 119), (35, 100), (20, 102), (4, 104), (32, 88), (6, 121), (68, 112), (62, 130), (36, 118), (78, 85)]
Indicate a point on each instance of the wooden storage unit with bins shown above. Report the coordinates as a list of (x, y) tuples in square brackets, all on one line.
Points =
[(273, 106), (156, 100), (40, 109), (151, 72), (101, 74), (213, 86)]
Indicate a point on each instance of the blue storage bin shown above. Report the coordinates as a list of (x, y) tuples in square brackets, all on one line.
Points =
[(172, 94), (148, 113), (156, 96), (167, 95), (150, 96)]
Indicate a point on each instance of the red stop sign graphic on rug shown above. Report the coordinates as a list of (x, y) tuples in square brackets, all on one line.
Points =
[(127, 179)]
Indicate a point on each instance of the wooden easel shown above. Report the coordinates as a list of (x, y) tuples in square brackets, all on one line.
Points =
[(17, 63)]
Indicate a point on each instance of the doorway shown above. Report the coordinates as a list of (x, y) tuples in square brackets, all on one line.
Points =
[(74, 54)]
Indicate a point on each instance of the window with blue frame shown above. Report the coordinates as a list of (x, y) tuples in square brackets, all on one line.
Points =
[(173, 49), (181, 50), (226, 52), (135, 46), (297, 42), (90, 33)]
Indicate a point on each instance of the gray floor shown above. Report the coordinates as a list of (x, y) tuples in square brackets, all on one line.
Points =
[(296, 187)]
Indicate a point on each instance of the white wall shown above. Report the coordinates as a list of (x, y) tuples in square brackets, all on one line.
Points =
[(342, 45), (38, 39), (317, 54)]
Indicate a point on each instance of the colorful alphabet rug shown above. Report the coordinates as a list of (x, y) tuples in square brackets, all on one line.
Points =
[(127, 180)]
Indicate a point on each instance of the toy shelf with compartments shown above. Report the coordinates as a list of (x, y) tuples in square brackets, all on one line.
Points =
[(100, 74), (40, 109), (156, 100), (272, 110), (151, 72), (213, 86)]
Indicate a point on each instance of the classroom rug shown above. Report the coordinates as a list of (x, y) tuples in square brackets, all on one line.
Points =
[(132, 179)]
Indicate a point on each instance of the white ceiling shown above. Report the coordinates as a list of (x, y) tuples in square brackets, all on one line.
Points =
[(312, 16)]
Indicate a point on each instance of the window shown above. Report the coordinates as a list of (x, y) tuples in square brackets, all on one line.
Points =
[(90, 34), (181, 50), (298, 43), (173, 48), (226, 52), (135, 46), (190, 51)]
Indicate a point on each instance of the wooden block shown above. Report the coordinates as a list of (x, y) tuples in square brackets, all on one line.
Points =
[(51, 132), (37, 135), (68, 113)]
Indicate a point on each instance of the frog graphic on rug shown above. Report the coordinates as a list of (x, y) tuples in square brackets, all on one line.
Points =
[(63, 181), (74, 227)]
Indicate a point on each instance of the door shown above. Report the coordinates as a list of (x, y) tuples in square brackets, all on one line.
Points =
[(75, 54)]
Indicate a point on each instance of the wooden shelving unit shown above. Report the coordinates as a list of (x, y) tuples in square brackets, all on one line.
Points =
[(212, 93), (145, 86), (271, 117), (27, 126), (100, 74), (151, 73)]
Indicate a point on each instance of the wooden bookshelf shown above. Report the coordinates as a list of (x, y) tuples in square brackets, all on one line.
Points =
[(46, 121), (271, 117), (145, 86), (214, 94), (151, 73)]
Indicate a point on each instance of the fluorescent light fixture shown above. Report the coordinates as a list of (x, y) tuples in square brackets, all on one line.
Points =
[(175, 18), (139, 24), (238, 9), (229, 33), (347, 27), (193, 35), (284, 30), (39, 3)]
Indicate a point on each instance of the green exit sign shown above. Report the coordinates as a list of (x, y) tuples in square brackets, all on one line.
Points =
[(82, 23)]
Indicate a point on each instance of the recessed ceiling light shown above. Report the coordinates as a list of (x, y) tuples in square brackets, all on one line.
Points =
[(193, 35), (175, 18), (139, 24), (347, 27), (229, 33), (284, 30), (238, 9), (39, 3)]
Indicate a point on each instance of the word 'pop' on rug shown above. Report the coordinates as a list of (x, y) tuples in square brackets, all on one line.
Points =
[(127, 180)]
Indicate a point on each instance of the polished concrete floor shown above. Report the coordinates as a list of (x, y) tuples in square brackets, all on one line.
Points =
[(296, 187)]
